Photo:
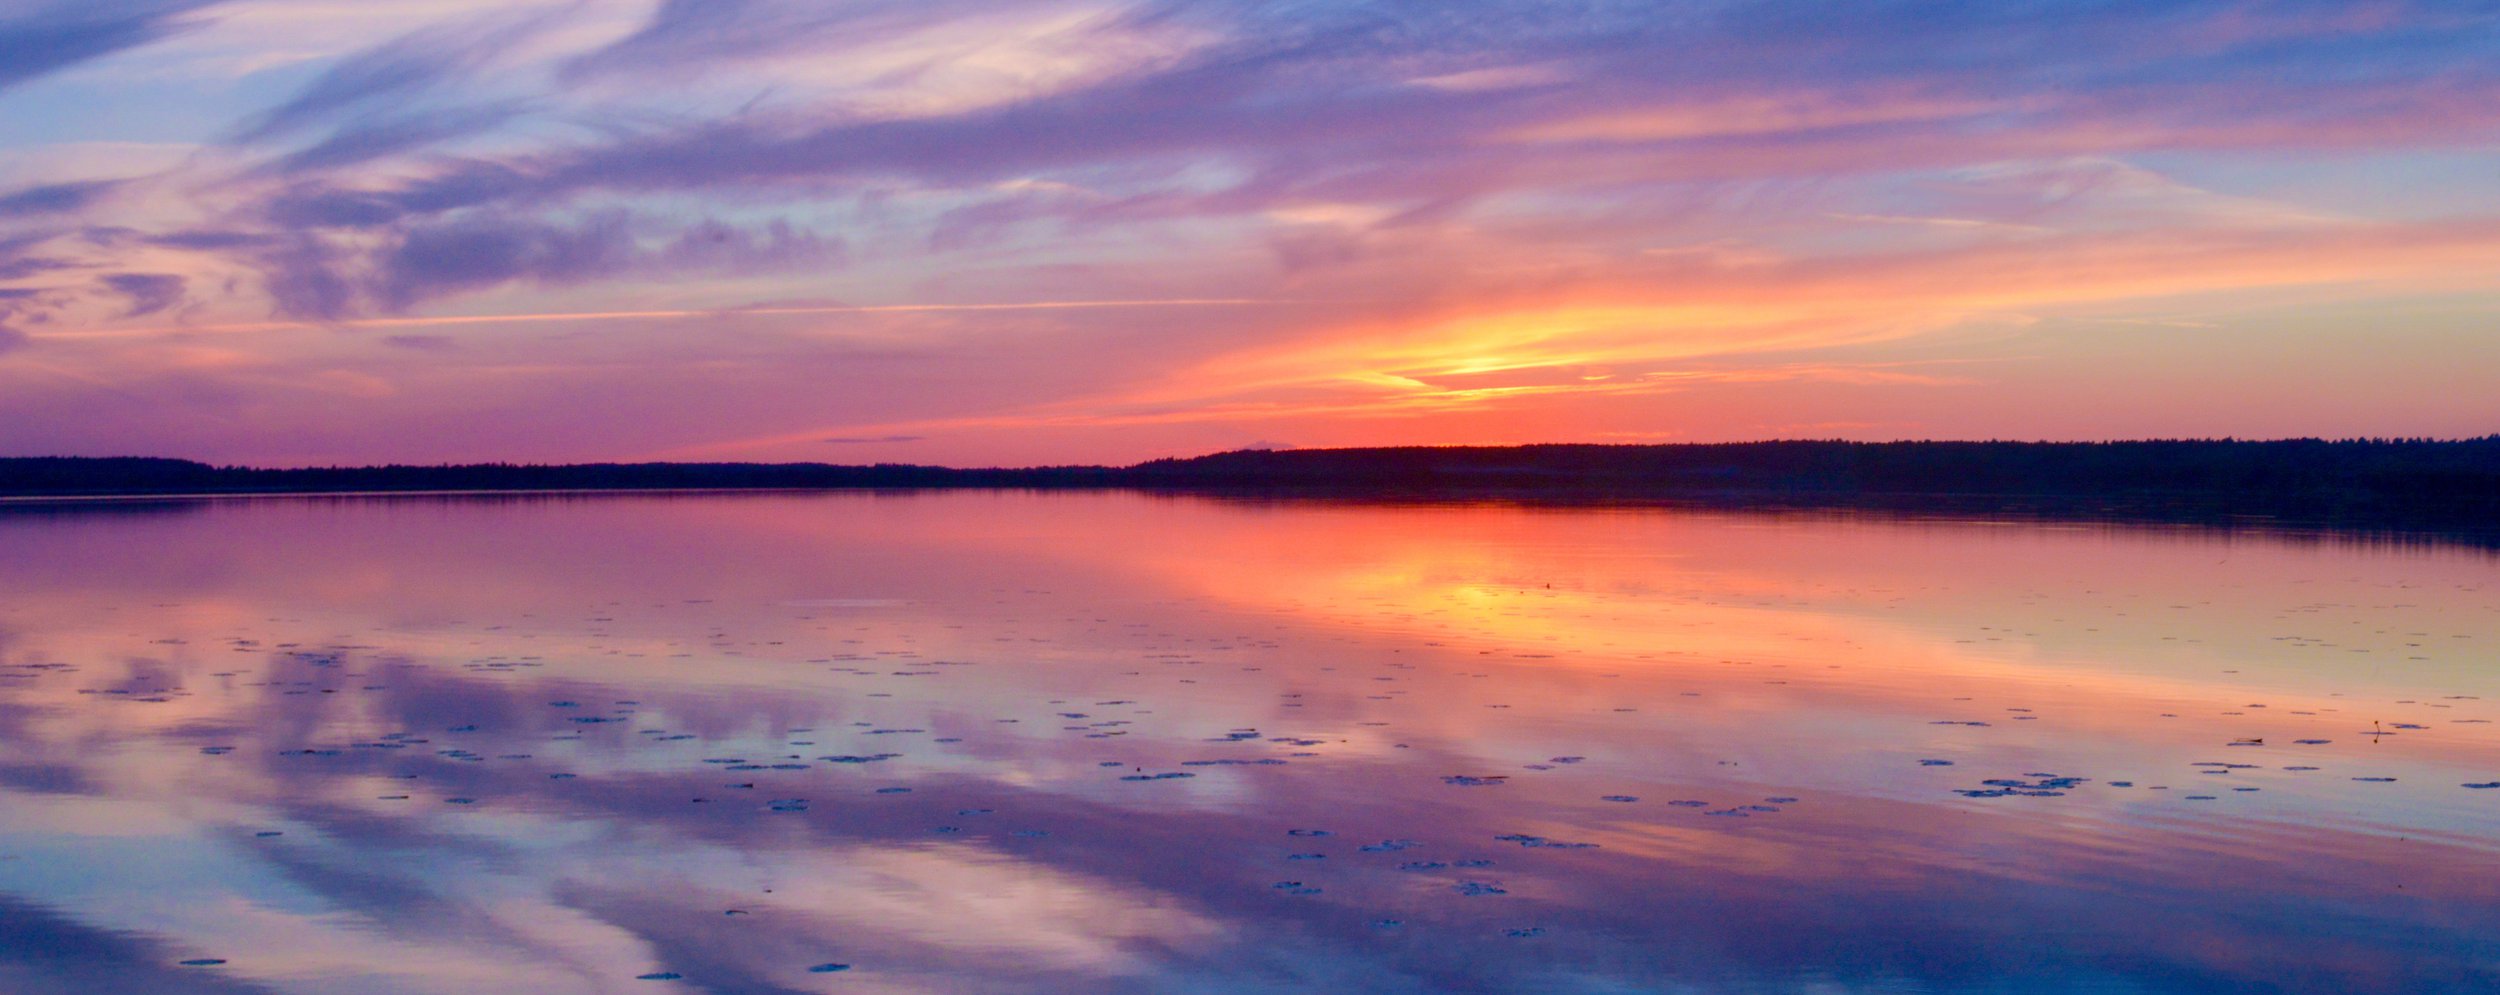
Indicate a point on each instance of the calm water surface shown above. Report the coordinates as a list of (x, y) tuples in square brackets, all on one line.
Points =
[(1013, 742)]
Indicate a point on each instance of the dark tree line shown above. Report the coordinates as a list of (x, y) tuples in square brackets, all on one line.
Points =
[(2382, 466), (77, 476), (2447, 482)]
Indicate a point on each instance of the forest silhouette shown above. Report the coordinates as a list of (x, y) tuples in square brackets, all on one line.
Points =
[(2400, 482)]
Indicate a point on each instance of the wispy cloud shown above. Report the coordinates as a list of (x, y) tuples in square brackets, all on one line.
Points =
[(148, 293), (54, 198), (41, 38), (453, 321), (396, 72), (1228, 213)]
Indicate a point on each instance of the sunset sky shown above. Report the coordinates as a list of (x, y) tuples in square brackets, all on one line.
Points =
[(1034, 231)]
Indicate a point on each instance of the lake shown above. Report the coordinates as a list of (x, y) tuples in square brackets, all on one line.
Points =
[(1111, 742)]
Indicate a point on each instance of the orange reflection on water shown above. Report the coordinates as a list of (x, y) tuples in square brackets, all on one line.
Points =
[(942, 735)]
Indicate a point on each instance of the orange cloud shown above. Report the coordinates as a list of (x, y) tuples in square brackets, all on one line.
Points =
[(1654, 325)]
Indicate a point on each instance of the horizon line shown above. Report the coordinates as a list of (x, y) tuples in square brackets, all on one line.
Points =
[(2230, 440)]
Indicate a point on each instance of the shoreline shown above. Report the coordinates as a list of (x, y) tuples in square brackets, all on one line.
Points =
[(2409, 485), (2199, 511)]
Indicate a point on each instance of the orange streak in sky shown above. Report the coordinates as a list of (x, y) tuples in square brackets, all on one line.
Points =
[(1640, 331)]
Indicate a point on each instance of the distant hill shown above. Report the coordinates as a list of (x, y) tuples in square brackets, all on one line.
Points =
[(2410, 480)]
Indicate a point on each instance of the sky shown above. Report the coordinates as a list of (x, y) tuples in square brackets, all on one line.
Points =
[(1016, 232)]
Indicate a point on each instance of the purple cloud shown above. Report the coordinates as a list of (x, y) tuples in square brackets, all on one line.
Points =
[(1399, 165), (17, 306), (54, 36), (713, 246), (54, 198), (366, 140), (148, 293), (685, 37), (394, 73), (304, 278), (476, 252), (210, 240), (18, 261), (1318, 102)]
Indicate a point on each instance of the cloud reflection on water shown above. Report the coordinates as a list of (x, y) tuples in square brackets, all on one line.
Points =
[(567, 669)]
